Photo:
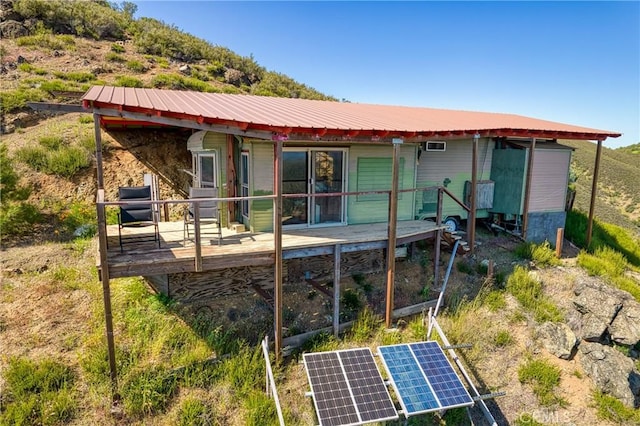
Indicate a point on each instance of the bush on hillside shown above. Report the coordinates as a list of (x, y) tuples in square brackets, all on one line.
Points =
[(604, 234)]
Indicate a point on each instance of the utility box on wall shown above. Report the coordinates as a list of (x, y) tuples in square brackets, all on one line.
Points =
[(484, 194)]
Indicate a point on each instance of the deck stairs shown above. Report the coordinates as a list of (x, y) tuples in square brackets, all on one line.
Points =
[(449, 239)]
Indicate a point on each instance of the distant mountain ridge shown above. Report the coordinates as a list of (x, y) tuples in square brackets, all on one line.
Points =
[(618, 196)]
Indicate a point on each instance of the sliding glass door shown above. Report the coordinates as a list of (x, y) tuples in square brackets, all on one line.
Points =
[(312, 172)]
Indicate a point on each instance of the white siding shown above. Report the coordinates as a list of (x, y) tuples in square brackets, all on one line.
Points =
[(549, 180)]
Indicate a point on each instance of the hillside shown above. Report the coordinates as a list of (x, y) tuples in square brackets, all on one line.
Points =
[(177, 367), (618, 198)]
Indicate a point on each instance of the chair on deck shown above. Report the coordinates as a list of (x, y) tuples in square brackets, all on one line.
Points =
[(136, 215), (209, 215)]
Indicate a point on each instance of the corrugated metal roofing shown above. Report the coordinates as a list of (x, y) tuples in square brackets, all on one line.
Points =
[(289, 115)]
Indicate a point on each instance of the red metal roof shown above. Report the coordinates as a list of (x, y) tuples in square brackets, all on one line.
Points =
[(319, 118)]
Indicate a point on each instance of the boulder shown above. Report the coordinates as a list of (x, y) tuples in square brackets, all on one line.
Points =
[(12, 29), (593, 328), (597, 298), (612, 372), (558, 339), (625, 328)]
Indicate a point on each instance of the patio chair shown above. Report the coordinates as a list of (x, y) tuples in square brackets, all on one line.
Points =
[(209, 214), (136, 215)]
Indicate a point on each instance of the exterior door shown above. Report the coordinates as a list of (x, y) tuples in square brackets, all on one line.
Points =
[(309, 172)]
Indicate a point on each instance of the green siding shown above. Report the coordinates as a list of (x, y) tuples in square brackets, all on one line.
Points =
[(375, 164), (508, 173)]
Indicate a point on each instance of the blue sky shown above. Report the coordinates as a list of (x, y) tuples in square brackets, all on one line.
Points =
[(572, 62)]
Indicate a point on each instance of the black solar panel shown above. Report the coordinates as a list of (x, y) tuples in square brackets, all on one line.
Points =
[(347, 388)]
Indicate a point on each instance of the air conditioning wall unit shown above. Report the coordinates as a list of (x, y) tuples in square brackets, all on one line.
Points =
[(435, 146)]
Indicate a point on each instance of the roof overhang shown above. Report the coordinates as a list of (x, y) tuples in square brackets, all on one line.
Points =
[(245, 115)]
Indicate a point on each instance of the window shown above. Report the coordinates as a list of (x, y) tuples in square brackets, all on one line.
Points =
[(206, 170)]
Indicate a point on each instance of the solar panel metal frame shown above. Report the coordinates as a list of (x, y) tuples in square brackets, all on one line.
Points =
[(418, 381), (360, 378)]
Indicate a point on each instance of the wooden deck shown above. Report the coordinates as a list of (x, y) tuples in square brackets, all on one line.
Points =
[(246, 249)]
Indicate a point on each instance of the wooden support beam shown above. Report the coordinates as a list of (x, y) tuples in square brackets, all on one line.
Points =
[(527, 193), (594, 191), (322, 289), (98, 139), (392, 229), (106, 295), (471, 221), (277, 235), (559, 242), (336, 290)]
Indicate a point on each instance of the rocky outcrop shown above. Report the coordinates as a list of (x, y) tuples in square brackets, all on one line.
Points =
[(12, 29), (608, 314), (558, 339), (611, 371)]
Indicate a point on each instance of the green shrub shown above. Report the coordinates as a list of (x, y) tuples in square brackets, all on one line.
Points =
[(11, 100), (38, 393), (117, 48), (147, 391), (503, 338), (544, 378), (65, 161), (541, 254), (194, 412), (261, 410), (52, 85), (127, 81), (47, 41), (79, 76), (603, 262), (51, 142), (80, 216), (494, 300), (612, 409), (136, 66), (68, 161), (25, 67), (604, 234), (114, 57), (528, 291), (178, 82), (85, 119), (365, 326)]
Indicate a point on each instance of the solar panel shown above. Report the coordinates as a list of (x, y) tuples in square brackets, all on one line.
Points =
[(347, 388), (423, 378)]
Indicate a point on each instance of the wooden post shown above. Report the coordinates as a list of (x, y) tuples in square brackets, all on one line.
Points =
[(106, 294), (490, 267), (277, 235), (436, 259), (198, 237), (471, 221), (594, 190), (559, 242), (527, 191), (98, 136), (392, 229), (337, 249)]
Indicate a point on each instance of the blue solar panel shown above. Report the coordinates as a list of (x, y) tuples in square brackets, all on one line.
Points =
[(413, 390), (440, 373), (423, 378)]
